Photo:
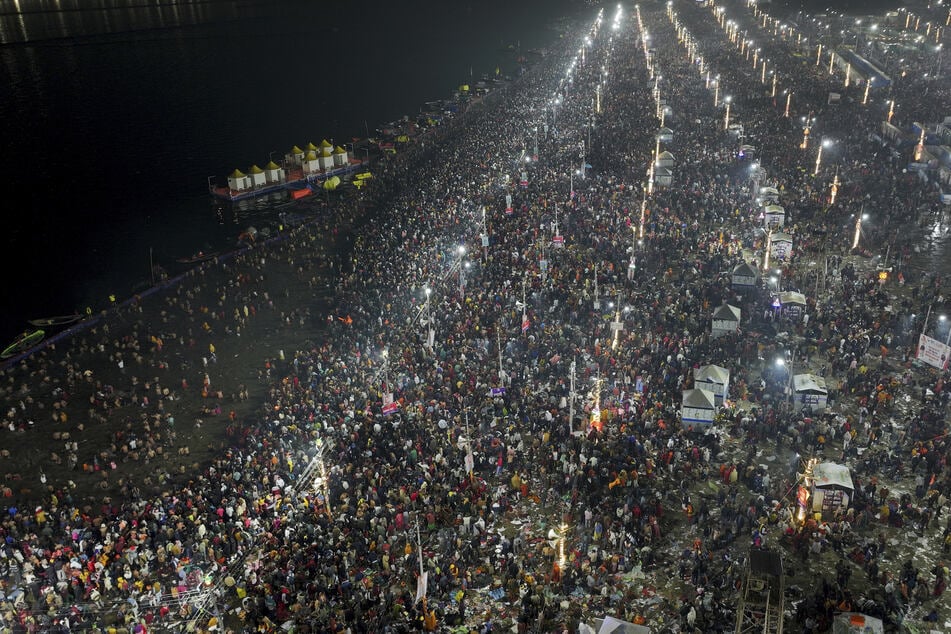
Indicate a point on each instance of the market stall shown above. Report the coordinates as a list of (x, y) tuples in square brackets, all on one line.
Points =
[(698, 408), (714, 379), (809, 391), (792, 304), (774, 216), (725, 319), (831, 488), (744, 277), (780, 245)]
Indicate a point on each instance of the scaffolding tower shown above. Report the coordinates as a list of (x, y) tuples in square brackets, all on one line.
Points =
[(761, 603)]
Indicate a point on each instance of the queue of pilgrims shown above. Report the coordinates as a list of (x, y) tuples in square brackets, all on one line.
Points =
[(429, 431)]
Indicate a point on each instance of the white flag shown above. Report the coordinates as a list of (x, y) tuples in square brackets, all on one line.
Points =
[(420, 587)]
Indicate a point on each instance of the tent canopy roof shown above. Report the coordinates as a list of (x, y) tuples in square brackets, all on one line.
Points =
[(727, 312), (745, 270), (699, 398), (712, 373), (792, 297), (810, 383), (781, 237), (832, 475), (774, 209)]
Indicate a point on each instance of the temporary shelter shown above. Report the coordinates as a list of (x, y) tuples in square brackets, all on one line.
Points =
[(698, 408), (296, 155), (663, 176), (831, 487), (780, 245), (665, 159), (238, 180), (340, 156), (726, 319), (774, 216), (310, 163), (326, 158), (810, 392), (665, 135), (769, 194), (273, 172), (714, 379), (792, 303), (257, 176), (744, 277)]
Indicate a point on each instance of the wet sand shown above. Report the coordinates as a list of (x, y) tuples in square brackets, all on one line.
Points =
[(172, 371)]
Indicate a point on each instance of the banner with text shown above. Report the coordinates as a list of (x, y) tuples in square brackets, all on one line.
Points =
[(933, 352)]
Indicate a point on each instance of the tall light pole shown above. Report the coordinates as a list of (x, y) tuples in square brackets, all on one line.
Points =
[(859, 217), (788, 102), (825, 143), (462, 271), (726, 119), (571, 400)]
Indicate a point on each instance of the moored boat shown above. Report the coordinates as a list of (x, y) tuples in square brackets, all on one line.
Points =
[(59, 320), (201, 256), (23, 342)]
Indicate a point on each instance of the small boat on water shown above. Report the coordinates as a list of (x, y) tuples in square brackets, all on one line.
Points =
[(59, 320), (23, 342), (201, 256)]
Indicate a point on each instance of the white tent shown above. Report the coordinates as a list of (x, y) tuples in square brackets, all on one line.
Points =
[(744, 277), (726, 319), (769, 193), (715, 379), (780, 245), (810, 391), (665, 159), (663, 176), (698, 408), (774, 216), (831, 487), (792, 303)]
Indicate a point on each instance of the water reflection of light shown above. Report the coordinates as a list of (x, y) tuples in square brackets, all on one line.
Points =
[(21, 23)]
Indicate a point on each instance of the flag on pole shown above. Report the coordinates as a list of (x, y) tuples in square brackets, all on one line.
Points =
[(470, 461), (420, 587), (525, 323), (391, 408)]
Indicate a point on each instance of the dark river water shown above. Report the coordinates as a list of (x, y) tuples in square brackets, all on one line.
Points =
[(114, 114)]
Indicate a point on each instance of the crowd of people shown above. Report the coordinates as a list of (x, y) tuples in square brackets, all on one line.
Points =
[(463, 398)]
